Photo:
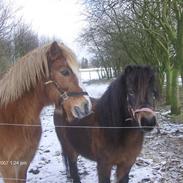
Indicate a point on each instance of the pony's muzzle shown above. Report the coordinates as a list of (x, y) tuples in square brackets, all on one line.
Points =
[(146, 118), (82, 110), (148, 123)]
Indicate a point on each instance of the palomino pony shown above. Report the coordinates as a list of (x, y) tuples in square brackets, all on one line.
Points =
[(113, 134), (47, 75)]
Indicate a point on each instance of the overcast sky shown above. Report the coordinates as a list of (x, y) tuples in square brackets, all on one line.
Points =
[(54, 18)]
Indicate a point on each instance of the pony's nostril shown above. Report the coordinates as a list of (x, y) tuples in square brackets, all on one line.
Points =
[(81, 111), (86, 108), (77, 111)]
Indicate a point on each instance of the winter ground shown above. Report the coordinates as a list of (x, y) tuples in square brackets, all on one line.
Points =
[(161, 160)]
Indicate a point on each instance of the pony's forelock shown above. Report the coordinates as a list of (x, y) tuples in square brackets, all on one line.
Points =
[(71, 59)]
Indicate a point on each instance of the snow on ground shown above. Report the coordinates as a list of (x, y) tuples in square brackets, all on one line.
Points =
[(97, 89), (161, 160)]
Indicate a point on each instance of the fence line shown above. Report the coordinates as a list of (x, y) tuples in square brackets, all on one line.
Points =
[(73, 126), (12, 179)]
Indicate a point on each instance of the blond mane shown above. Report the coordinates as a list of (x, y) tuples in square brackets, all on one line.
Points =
[(28, 71)]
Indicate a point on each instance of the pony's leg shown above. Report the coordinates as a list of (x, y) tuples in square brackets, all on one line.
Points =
[(73, 170), (123, 174), (69, 154), (24, 163), (125, 179), (15, 174), (10, 175), (104, 172), (22, 172)]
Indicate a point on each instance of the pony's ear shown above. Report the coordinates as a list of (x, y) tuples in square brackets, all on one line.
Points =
[(54, 51), (128, 69)]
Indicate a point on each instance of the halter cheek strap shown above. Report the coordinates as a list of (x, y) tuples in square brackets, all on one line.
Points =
[(64, 95)]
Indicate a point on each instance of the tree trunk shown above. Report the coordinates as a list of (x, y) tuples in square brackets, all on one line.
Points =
[(175, 105), (168, 86), (178, 63), (181, 73)]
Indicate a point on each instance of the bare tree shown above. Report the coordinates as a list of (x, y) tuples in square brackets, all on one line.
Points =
[(24, 40), (7, 20), (7, 24)]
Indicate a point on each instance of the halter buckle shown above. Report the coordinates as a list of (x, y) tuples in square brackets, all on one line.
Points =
[(64, 96), (48, 82)]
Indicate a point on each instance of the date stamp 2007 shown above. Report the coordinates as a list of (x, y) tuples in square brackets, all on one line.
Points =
[(13, 163)]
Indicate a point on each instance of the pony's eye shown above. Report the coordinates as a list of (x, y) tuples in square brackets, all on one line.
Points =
[(65, 72)]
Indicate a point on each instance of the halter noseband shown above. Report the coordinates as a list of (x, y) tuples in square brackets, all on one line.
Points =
[(64, 95)]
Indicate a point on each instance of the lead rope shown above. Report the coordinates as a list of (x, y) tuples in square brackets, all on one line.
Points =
[(133, 114)]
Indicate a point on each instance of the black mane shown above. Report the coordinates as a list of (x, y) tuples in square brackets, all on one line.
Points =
[(112, 108)]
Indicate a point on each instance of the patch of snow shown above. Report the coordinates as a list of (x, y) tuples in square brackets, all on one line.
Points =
[(96, 90)]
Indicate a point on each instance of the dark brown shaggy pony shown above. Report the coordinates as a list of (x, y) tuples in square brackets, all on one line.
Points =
[(121, 116), (44, 76)]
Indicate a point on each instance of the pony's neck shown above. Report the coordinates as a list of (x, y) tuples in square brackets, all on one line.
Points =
[(27, 108), (112, 108)]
